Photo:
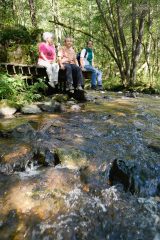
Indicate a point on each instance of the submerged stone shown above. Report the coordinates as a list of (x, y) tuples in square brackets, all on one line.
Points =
[(16, 159), (121, 173), (71, 158)]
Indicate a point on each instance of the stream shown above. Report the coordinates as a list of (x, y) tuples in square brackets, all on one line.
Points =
[(89, 173)]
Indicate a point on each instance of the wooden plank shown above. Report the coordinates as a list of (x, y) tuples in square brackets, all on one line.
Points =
[(25, 70), (35, 71), (17, 69), (41, 71), (10, 69)]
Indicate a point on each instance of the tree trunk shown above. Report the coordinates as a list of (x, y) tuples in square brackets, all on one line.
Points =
[(113, 34), (33, 13), (123, 43), (137, 43), (56, 14)]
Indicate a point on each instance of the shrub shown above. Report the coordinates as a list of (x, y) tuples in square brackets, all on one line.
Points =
[(18, 34), (17, 89)]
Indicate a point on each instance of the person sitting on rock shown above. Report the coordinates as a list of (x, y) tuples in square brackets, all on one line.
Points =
[(87, 63), (67, 60), (47, 58)]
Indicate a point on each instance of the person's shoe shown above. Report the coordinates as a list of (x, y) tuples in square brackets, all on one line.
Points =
[(69, 87), (79, 87), (100, 88), (55, 83), (93, 87), (51, 84)]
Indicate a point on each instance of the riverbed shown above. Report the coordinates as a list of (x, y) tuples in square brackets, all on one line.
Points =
[(89, 173)]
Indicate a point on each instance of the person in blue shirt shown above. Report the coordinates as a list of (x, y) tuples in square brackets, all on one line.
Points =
[(87, 63)]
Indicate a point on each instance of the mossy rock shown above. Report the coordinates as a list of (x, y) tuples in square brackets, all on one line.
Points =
[(18, 54), (14, 34), (9, 103), (22, 54), (71, 158), (61, 98), (7, 108), (3, 53)]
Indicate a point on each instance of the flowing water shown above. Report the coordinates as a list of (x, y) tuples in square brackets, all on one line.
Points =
[(93, 174)]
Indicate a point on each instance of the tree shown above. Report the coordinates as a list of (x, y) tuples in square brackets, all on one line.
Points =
[(32, 13), (125, 32), (125, 54)]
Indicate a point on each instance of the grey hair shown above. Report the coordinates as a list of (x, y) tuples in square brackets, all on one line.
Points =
[(47, 35)]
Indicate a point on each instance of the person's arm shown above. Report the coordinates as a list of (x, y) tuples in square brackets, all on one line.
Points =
[(41, 49), (82, 63), (75, 60), (60, 56), (43, 57), (93, 60), (54, 54)]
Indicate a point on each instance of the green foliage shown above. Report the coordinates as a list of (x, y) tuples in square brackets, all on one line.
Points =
[(157, 84), (36, 35), (17, 89), (18, 34), (113, 84), (86, 16), (33, 51)]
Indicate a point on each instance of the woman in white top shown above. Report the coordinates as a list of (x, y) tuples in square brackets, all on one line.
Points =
[(87, 62)]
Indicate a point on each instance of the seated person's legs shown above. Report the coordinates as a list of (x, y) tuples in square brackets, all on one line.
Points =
[(55, 70), (94, 75), (48, 67), (69, 78), (77, 76), (99, 79)]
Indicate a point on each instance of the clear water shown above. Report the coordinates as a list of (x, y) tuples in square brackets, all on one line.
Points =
[(74, 199)]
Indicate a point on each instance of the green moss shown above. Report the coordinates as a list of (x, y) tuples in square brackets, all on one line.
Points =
[(15, 34), (61, 97), (22, 54), (71, 158), (5, 102)]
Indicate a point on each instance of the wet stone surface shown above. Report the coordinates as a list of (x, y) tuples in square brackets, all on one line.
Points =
[(91, 174)]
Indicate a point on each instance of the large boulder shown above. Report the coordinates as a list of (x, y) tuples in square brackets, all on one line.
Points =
[(31, 109), (19, 54), (7, 108), (51, 106)]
